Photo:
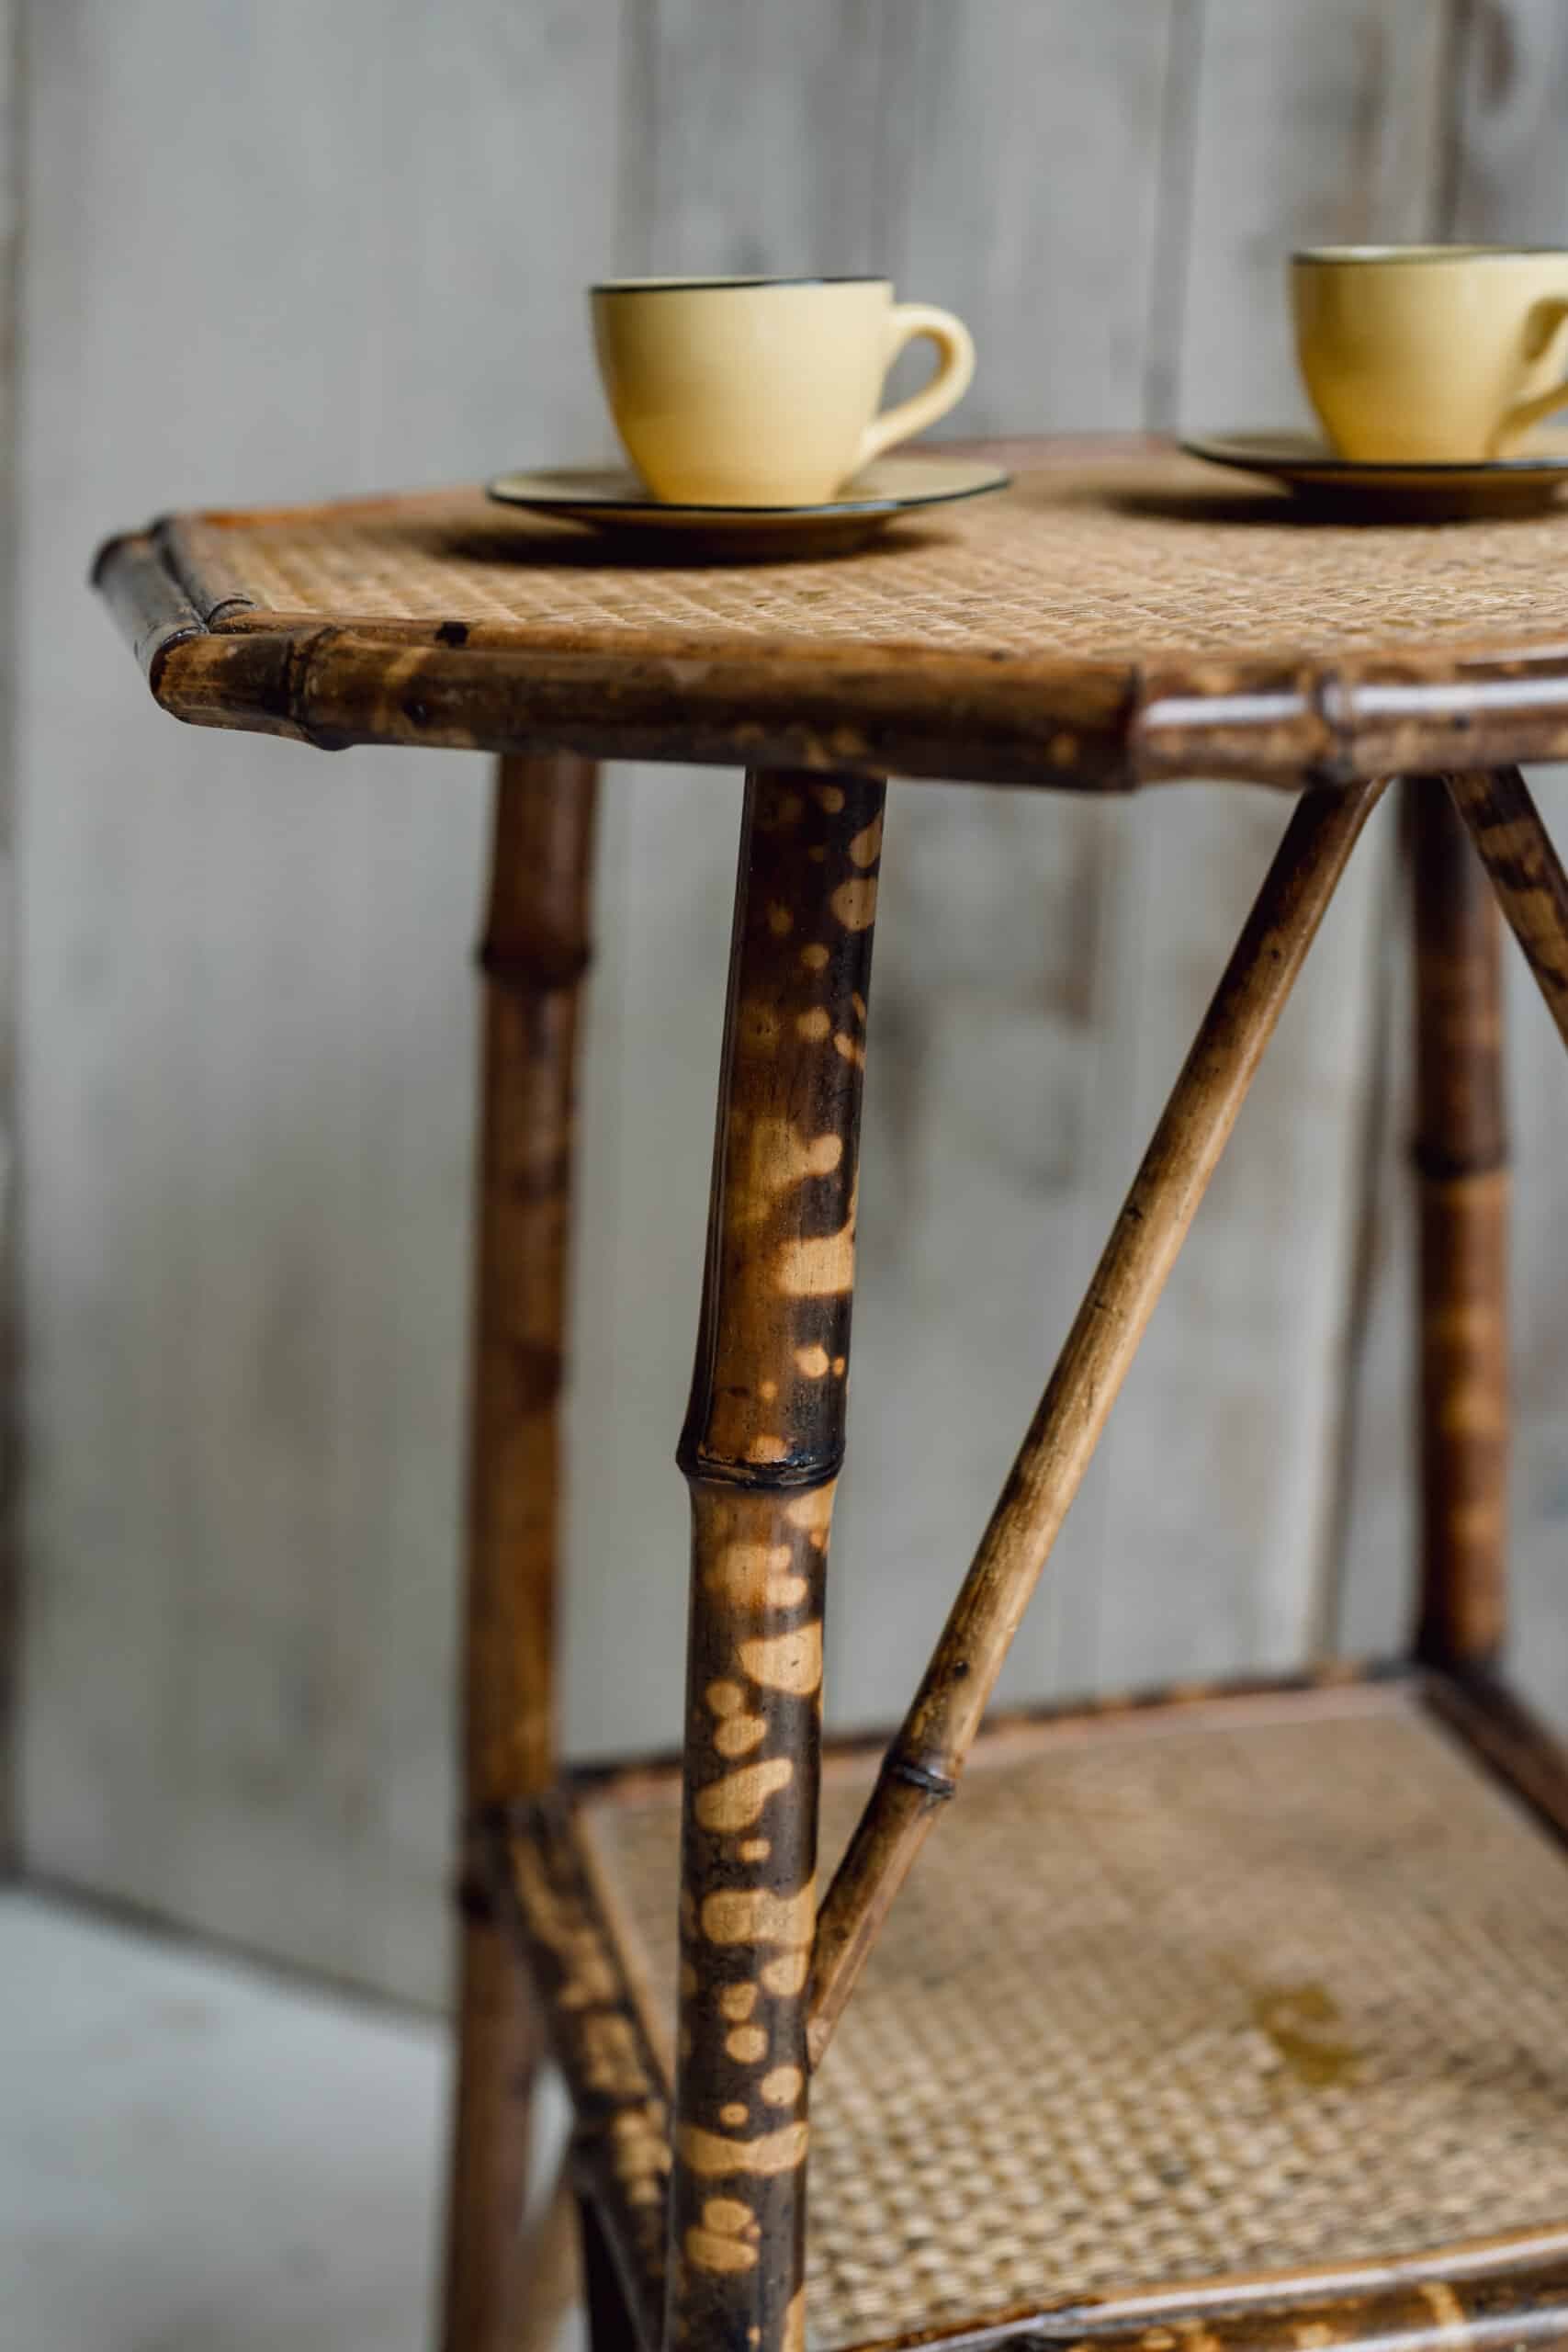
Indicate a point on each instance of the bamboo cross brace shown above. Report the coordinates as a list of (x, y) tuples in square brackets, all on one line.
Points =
[(922, 1766), (761, 1449), (1526, 872)]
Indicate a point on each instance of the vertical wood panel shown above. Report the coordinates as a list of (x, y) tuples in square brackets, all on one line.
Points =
[(752, 143), (1315, 120), (1319, 123), (1507, 173), (1023, 149), (10, 243), (981, 1212), (1508, 179), (250, 1078)]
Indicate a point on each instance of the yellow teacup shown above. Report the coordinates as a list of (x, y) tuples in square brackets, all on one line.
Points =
[(747, 392), (1430, 354)]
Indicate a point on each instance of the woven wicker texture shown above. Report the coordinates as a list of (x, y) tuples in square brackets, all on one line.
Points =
[(1164, 2002), (1109, 557)]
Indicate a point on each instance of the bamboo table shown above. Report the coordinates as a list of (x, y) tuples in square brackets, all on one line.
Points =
[(1215, 2019)]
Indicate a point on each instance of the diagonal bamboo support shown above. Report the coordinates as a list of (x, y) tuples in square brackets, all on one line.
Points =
[(922, 1766), (1526, 872)]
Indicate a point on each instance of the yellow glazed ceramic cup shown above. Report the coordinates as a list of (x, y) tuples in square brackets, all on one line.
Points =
[(732, 391), (1430, 354)]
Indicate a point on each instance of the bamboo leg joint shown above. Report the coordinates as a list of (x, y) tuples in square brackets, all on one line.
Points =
[(545, 968), (1435, 1165), (939, 1786), (473, 1903), (800, 1474)]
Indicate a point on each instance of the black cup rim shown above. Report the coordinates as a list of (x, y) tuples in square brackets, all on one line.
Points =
[(727, 285), (1360, 256)]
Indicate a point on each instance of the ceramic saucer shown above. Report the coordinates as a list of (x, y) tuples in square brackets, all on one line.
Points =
[(1500, 485), (611, 501)]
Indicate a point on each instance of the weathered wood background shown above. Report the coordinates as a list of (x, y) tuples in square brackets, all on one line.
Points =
[(278, 250), (10, 241)]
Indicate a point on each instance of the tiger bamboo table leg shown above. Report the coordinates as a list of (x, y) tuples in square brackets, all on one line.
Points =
[(533, 957), (1461, 1161), (761, 1449), (611, 2328)]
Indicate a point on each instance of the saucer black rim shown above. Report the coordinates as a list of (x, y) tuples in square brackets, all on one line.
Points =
[(653, 509), (1219, 451)]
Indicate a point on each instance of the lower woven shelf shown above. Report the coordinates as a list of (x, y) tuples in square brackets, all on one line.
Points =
[(1257, 1984)]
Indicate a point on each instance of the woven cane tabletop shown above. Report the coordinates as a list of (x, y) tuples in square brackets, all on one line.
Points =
[(1121, 609), (1169, 1999)]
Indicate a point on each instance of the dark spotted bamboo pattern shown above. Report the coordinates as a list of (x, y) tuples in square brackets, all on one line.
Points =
[(1527, 875), (761, 1447), (599, 2040), (533, 957), (611, 2328), (1461, 1152), (923, 1764)]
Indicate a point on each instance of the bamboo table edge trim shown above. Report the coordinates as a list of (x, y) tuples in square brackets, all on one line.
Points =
[(1055, 722)]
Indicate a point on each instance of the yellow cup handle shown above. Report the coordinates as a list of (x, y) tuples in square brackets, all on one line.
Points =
[(955, 368), (1545, 319)]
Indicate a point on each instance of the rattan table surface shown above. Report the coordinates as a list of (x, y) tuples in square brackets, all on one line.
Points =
[(1196, 1992), (1121, 613)]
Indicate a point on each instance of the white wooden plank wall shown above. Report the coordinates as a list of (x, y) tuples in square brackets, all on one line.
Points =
[(257, 268), (1311, 122), (10, 241), (1506, 179), (278, 250)]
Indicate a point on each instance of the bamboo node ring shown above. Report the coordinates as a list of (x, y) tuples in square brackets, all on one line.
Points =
[(939, 1786)]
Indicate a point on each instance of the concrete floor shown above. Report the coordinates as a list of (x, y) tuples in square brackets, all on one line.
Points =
[(195, 2154)]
